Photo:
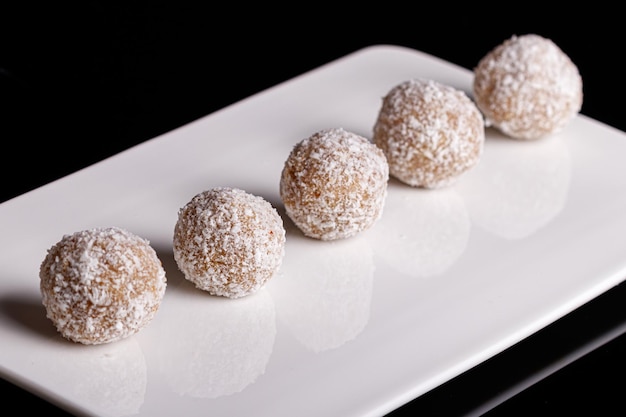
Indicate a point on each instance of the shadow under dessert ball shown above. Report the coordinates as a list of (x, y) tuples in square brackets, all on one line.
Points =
[(334, 184), (228, 242), (101, 285)]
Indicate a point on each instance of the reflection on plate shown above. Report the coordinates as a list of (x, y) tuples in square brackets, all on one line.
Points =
[(422, 232), (324, 294), (113, 378), (446, 279), (518, 186), (219, 346)]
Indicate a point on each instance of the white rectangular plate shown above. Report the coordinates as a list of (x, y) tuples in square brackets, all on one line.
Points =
[(445, 280)]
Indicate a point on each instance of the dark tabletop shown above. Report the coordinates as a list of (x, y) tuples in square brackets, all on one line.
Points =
[(82, 82)]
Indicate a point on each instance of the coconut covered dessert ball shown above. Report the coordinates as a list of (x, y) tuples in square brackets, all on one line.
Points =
[(527, 87), (334, 184), (229, 242), (101, 285), (431, 133)]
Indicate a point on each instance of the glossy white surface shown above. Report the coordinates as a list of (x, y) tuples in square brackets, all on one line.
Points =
[(445, 280)]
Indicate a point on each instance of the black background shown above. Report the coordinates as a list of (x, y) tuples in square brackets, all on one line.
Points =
[(82, 81)]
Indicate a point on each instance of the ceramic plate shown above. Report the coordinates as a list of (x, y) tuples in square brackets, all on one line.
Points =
[(445, 280)]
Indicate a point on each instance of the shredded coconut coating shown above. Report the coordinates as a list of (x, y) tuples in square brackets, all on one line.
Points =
[(229, 242), (334, 184), (101, 285), (431, 133), (527, 87)]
